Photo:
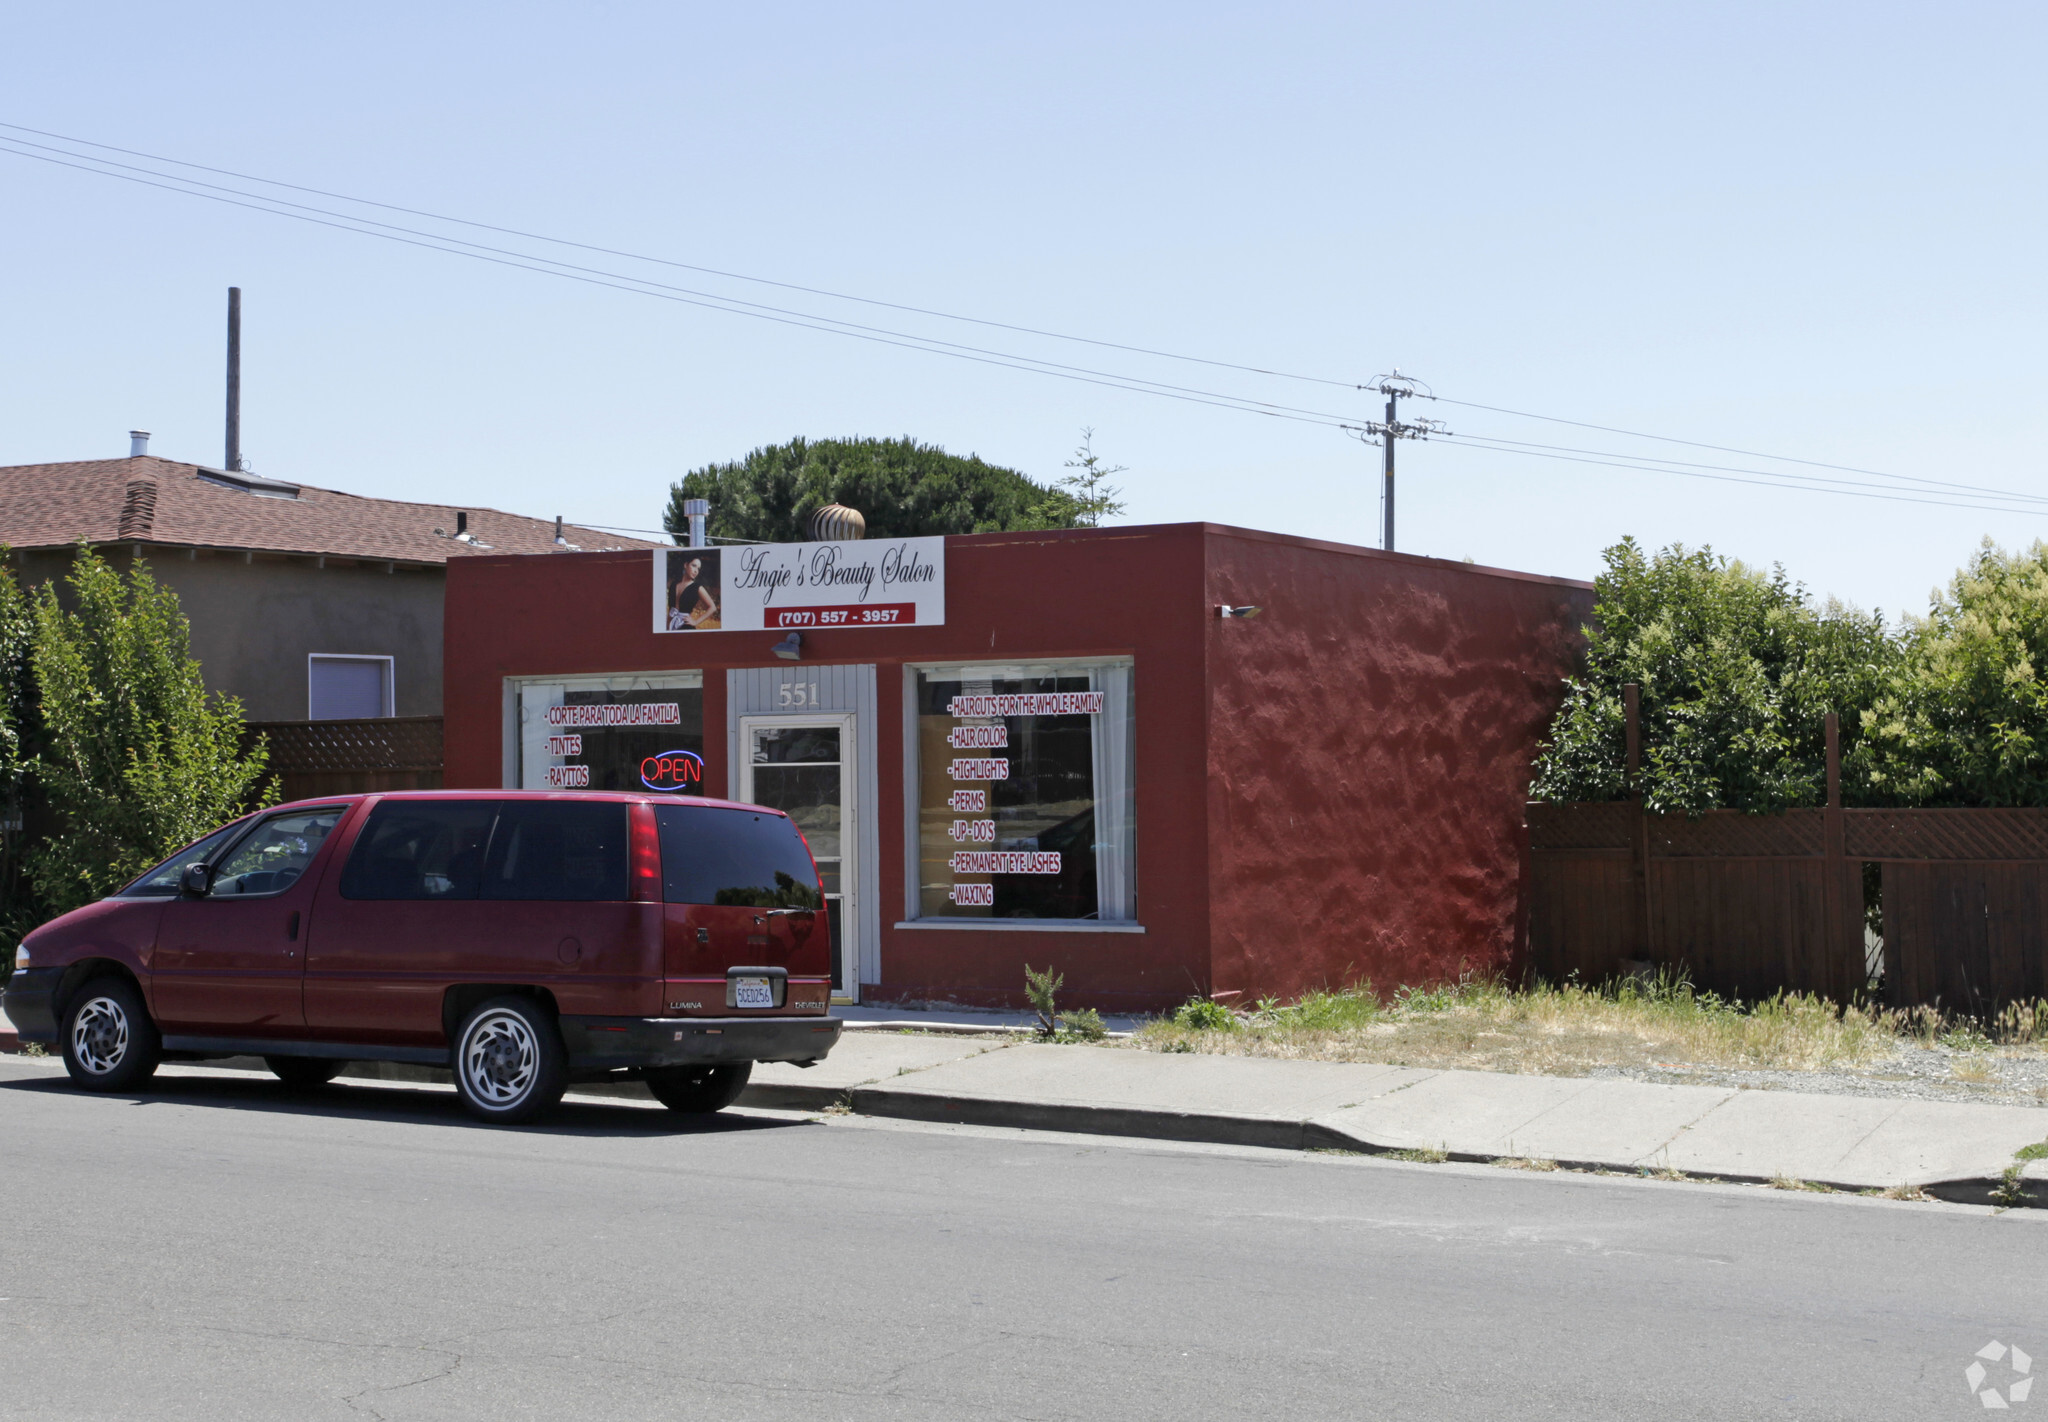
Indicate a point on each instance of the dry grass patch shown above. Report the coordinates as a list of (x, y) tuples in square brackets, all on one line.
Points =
[(1787, 1182), (1523, 1162), (1570, 1029)]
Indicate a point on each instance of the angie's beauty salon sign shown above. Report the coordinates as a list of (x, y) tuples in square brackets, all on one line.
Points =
[(775, 587)]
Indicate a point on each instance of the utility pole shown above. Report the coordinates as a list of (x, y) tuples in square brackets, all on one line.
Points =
[(1395, 387)]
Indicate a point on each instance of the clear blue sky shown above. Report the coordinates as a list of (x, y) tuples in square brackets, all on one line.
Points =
[(1811, 230)]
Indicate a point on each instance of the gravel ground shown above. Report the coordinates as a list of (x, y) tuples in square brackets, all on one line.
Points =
[(1912, 1073)]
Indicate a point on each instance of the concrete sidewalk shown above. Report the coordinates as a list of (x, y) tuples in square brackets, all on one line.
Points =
[(1955, 1150), (1958, 1151)]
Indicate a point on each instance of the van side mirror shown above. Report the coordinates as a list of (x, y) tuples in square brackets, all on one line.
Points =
[(196, 882)]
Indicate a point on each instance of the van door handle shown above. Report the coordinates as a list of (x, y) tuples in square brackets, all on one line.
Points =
[(291, 927)]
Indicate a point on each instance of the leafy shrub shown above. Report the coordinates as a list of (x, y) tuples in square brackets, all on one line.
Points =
[(1737, 671), (1082, 1024), (1199, 1014), (1964, 721), (138, 759)]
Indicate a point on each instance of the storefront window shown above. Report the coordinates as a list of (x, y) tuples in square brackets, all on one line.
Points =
[(626, 732), (1024, 792)]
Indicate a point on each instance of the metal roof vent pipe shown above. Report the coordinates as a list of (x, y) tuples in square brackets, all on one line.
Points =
[(138, 443), (698, 512), (836, 523)]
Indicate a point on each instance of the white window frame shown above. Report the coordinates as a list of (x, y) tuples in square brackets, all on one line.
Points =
[(390, 680), (518, 735), (913, 887)]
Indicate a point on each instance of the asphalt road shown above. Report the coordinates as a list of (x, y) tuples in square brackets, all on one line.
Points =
[(222, 1250)]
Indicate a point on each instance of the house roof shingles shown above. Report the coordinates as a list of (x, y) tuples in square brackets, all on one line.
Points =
[(149, 500)]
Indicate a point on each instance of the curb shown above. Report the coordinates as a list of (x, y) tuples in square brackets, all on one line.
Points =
[(1283, 1134), (1275, 1132)]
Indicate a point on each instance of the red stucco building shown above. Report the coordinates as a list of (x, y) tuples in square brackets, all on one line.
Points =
[(1055, 748)]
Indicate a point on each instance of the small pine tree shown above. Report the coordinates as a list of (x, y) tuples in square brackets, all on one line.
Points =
[(137, 758), (1095, 498), (1039, 989)]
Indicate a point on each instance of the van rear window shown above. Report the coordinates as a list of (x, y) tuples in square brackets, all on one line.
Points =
[(715, 856)]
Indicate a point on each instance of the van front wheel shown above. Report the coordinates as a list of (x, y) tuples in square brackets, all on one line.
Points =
[(699, 1089), (109, 1042), (510, 1065)]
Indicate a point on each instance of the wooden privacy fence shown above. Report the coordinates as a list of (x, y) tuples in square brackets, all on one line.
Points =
[(312, 758), (1754, 904)]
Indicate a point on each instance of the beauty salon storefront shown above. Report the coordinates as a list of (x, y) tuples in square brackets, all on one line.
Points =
[(1050, 747)]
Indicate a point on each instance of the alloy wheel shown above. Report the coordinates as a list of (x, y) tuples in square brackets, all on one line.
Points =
[(500, 1058), (99, 1035)]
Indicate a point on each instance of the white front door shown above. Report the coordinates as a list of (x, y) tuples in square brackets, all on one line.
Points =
[(803, 766)]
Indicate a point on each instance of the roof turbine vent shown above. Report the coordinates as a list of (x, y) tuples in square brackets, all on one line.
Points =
[(836, 523)]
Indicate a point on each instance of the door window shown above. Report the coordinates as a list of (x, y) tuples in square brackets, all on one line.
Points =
[(420, 849), (796, 771), (561, 851), (273, 856), (162, 882), (800, 770)]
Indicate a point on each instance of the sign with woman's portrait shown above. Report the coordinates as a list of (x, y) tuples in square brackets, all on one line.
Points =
[(779, 587), (693, 594)]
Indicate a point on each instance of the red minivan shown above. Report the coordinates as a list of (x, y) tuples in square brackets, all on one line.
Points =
[(526, 941)]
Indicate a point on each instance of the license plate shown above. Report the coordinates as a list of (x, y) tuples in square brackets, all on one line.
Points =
[(753, 992)]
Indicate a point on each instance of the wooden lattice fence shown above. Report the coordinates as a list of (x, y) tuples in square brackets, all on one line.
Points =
[(312, 758)]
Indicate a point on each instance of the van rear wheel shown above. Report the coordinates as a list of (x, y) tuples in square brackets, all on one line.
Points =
[(304, 1073), (510, 1064), (699, 1089), (109, 1042)]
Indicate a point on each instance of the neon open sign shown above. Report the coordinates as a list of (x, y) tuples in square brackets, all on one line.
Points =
[(673, 770)]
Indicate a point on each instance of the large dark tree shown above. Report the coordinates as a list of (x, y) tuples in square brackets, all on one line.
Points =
[(902, 488)]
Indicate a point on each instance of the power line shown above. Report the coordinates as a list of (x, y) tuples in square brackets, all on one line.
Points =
[(687, 266), (195, 188), (1729, 449), (730, 305), (1766, 482), (527, 261), (1680, 465)]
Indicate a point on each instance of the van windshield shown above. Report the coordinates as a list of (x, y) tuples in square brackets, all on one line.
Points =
[(738, 857)]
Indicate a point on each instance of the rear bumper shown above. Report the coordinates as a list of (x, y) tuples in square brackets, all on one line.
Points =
[(612, 1043), (30, 1003)]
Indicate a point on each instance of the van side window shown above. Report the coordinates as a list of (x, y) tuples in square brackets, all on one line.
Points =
[(420, 849), (564, 850), (713, 856)]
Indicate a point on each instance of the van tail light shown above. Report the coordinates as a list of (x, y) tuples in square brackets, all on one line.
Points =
[(646, 857)]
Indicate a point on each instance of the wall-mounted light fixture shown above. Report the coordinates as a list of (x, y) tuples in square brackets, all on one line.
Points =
[(790, 647), (1226, 610)]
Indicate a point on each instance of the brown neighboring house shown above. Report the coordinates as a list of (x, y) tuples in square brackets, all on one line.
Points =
[(309, 604)]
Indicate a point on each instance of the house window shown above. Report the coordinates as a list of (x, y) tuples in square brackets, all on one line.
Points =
[(347, 688), (1025, 804)]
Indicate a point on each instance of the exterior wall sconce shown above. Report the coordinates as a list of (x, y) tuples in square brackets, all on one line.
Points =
[(790, 647), (1226, 610)]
